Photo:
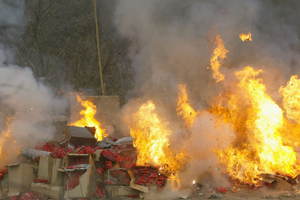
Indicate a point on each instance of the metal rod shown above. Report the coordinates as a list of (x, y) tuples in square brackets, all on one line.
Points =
[(98, 47)]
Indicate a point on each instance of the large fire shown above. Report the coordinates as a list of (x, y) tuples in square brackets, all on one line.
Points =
[(260, 125), (151, 139), (88, 118), (258, 121), (265, 138)]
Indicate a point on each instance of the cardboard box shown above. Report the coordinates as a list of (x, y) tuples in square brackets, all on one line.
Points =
[(45, 169), (98, 154), (55, 192), (120, 191), (57, 177), (20, 177), (117, 176), (48, 170), (79, 136), (82, 190), (141, 188)]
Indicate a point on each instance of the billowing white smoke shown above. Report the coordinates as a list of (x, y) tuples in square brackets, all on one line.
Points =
[(30, 105), (204, 140)]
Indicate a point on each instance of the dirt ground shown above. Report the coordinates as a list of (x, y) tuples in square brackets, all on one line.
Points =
[(280, 190)]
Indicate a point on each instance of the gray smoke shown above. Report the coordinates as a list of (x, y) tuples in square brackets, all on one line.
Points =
[(172, 42), (27, 106)]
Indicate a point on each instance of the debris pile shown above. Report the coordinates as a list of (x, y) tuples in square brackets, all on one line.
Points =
[(79, 167)]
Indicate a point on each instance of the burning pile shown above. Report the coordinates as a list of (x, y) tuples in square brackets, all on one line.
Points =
[(258, 121), (83, 166), (151, 138), (266, 136)]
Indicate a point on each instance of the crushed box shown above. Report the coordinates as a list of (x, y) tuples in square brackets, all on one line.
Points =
[(120, 191), (48, 170), (55, 192), (78, 179), (141, 188), (20, 177)]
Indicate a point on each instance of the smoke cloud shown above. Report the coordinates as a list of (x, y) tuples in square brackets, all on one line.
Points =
[(27, 106), (171, 44), (204, 140), (26, 111)]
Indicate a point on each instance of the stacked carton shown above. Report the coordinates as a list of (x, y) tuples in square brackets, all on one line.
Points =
[(92, 170)]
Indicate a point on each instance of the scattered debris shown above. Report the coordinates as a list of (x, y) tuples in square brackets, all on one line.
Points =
[(79, 167), (214, 196)]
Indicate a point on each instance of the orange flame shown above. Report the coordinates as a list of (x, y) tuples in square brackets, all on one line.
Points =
[(258, 121), (151, 139), (246, 37), (88, 118), (8, 144), (184, 109), (219, 54)]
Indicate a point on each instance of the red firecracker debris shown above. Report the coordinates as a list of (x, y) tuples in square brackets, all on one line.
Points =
[(220, 189), (88, 150), (48, 147), (73, 180), (108, 182), (99, 192), (38, 180), (108, 164), (95, 149), (27, 196), (110, 154), (120, 159), (132, 196), (100, 171), (128, 165), (2, 173)]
